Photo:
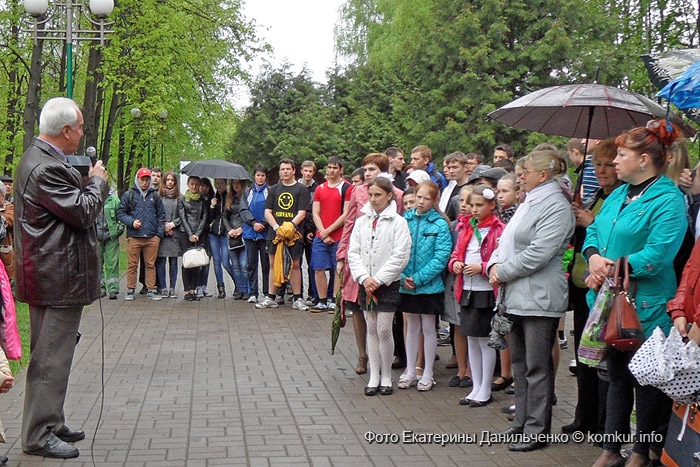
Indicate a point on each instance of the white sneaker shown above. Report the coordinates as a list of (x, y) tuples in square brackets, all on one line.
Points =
[(267, 303), (300, 305), (253, 299)]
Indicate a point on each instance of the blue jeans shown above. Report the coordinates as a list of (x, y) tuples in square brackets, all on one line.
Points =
[(239, 263), (160, 271), (219, 251)]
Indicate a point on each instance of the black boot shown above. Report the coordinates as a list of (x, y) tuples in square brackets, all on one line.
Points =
[(222, 290)]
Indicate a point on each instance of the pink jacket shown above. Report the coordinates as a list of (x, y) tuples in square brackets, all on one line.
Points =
[(488, 246)]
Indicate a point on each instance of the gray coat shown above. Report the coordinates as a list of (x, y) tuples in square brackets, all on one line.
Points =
[(535, 282), (170, 244)]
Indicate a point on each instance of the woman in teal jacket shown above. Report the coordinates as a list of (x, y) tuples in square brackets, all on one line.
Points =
[(644, 220), (421, 282)]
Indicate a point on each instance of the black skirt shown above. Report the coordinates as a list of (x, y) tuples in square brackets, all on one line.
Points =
[(476, 313), (387, 298), (423, 304)]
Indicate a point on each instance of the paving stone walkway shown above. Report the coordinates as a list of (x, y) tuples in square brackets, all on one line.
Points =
[(218, 382)]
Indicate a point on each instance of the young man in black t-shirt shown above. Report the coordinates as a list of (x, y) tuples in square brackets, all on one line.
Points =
[(286, 202)]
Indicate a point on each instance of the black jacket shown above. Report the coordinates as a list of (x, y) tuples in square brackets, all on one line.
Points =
[(146, 207), (55, 235)]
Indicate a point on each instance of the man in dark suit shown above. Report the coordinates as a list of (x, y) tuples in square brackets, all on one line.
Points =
[(57, 270)]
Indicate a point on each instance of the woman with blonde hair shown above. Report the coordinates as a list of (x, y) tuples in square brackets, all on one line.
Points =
[(528, 266)]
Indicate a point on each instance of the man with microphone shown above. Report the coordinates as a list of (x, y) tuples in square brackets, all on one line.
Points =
[(57, 270)]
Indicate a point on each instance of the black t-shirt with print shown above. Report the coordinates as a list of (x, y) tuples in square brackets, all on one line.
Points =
[(285, 202)]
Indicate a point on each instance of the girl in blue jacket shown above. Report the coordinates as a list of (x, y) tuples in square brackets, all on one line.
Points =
[(421, 282)]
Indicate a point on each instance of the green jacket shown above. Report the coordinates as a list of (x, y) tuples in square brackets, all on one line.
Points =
[(650, 231), (108, 227)]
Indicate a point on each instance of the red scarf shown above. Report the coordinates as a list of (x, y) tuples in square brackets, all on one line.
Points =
[(463, 240)]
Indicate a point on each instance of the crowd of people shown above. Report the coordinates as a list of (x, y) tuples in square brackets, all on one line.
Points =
[(404, 249)]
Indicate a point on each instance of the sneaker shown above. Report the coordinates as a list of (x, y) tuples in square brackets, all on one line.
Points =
[(279, 300), (444, 340), (311, 302), (154, 295), (267, 303), (164, 293), (129, 294), (103, 294), (143, 291), (253, 299), (199, 291), (331, 307), (205, 293), (563, 343), (300, 305), (320, 307), (573, 368), (172, 294), (113, 295)]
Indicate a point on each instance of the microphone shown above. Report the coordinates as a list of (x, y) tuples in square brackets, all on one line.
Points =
[(91, 152)]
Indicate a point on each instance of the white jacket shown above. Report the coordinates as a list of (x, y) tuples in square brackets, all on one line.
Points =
[(381, 252)]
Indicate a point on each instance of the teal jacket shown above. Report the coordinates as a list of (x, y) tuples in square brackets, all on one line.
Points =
[(431, 246), (650, 231)]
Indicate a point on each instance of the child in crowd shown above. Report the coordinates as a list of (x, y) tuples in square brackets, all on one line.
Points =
[(409, 199), (463, 377), (169, 247), (507, 190), (508, 193), (421, 284), (358, 176), (380, 244), (478, 239)]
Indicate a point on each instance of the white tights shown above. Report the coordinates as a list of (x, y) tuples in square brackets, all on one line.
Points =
[(380, 347), (414, 324), (482, 360)]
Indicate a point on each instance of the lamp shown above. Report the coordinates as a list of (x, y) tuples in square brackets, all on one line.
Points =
[(36, 8)]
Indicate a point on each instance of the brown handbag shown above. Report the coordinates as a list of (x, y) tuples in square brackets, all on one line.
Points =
[(624, 330)]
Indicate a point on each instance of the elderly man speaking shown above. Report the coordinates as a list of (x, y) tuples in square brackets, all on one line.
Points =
[(57, 270)]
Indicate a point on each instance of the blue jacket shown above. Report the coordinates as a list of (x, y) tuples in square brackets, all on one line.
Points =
[(431, 246), (650, 231), (436, 176), (146, 207), (253, 210)]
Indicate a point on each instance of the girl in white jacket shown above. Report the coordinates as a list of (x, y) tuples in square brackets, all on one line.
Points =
[(380, 245)]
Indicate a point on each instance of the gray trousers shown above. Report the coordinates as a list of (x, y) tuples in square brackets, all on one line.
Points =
[(531, 344), (52, 345)]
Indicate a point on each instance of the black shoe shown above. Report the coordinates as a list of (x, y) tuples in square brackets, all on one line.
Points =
[(398, 363), (188, 297), (56, 449), (144, 290), (501, 386), (526, 447), (454, 382), (510, 390), (238, 296), (113, 295), (222, 291), (571, 427), (466, 382), (464, 401), (103, 294), (70, 436), (474, 403), (507, 409), (245, 296), (3, 460), (371, 391), (554, 400), (386, 390)]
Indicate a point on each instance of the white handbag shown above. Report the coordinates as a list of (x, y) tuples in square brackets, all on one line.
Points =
[(195, 258), (669, 364)]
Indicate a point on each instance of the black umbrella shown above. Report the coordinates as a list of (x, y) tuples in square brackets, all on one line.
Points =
[(579, 111), (216, 168)]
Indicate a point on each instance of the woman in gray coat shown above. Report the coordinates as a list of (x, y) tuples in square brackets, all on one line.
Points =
[(169, 248), (528, 263)]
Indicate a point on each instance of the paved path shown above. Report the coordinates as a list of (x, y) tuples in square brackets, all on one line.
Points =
[(217, 382)]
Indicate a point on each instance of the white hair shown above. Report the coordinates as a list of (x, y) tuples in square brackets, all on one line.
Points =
[(57, 113), (3, 189)]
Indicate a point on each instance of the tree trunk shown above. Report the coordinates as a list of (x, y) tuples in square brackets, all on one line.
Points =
[(114, 106), (31, 107), (13, 89), (120, 165), (92, 106)]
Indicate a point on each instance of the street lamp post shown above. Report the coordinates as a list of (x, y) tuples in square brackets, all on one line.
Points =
[(64, 31)]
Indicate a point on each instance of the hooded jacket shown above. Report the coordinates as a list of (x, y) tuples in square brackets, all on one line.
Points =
[(253, 210), (382, 251), (430, 250), (144, 205)]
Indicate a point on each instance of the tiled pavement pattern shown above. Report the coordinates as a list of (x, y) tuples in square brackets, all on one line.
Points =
[(218, 382)]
